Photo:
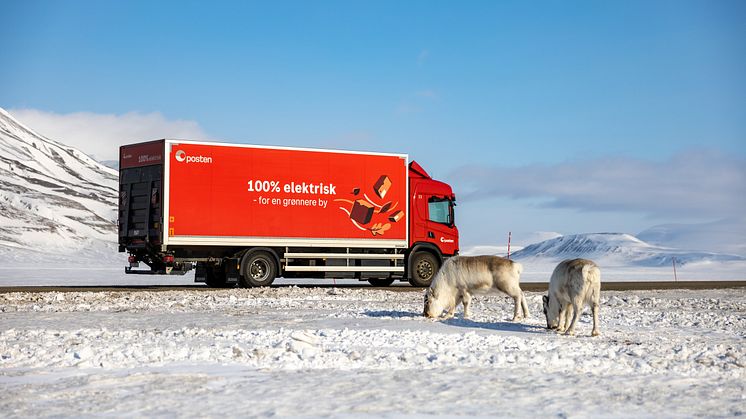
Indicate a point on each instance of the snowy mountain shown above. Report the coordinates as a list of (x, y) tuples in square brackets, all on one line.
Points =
[(56, 203), (616, 248)]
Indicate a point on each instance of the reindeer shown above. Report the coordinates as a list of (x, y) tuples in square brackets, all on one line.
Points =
[(461, 276), (574, 284)]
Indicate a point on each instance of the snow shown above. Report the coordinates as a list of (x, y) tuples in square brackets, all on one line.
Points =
[(540, 270), (489, 250), (617, 249), (53, 198), (622, 257), (359, 352)]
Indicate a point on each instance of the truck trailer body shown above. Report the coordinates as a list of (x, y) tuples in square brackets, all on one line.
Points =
[(247, 214)]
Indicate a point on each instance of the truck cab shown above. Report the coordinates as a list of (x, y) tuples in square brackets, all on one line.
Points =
[(433, 234)]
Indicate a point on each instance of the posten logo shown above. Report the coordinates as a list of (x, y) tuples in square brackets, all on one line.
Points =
[(182, 157)]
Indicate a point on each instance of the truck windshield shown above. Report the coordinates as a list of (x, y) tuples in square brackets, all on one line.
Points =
[(440, 210)]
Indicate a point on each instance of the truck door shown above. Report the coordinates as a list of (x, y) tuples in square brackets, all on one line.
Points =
[(140, 209), (419, 217), (140, 196), (433, 219), (440, 225)]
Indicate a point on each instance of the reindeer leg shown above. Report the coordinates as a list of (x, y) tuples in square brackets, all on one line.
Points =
[(576, 313), (524, 305), (517, 307), (516, 295), (449, 314), (452, 309), (467, 305), (596, 299), (561, 326), (565, 319), (595, 319)]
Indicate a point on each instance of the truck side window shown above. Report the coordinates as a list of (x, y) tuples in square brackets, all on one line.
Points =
[(439, 210)]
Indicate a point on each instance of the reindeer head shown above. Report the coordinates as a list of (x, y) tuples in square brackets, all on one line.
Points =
[(551, 313), (431, 305)]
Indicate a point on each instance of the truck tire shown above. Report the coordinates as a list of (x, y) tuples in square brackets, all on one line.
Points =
[(424, 267), (259, 269), (380, 282)]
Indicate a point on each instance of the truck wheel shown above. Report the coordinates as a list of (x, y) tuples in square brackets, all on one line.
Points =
[(424, 267), (259, 270), (380, 282)]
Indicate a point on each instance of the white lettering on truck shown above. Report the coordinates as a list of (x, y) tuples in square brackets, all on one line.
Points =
[(275, 186), (181, 156), (310, 188), (146, 158)]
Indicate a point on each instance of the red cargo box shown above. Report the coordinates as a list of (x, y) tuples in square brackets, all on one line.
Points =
[(252, 195)]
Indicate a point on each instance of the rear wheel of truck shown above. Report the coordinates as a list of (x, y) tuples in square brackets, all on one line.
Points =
[(424, 267), (380, 282), (259, 269)]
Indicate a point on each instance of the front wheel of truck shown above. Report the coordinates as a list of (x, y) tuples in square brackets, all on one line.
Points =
[(424, 267), (258, 269)]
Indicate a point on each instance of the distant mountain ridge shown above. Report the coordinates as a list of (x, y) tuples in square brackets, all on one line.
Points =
[(54, 199), (618, 248)]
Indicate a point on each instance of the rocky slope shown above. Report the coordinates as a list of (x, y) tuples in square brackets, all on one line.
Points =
[(56, 203)]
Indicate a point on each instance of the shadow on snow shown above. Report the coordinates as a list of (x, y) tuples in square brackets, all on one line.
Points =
[(392, 313), (500, 325)]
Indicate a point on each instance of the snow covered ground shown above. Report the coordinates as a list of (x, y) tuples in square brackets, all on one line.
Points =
[(334, 352)]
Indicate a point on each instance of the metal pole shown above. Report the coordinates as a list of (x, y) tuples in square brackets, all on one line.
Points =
[(509, 234)]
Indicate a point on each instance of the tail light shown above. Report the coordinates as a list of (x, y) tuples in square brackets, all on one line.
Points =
[(132, 259), (168, 259)]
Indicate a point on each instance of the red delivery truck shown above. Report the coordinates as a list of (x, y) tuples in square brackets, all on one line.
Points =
[(247, 214)]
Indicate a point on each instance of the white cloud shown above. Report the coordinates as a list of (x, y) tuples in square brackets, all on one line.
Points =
[(100, 135), (696, 183)]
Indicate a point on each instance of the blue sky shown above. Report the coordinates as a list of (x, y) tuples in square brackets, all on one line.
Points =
[(496, 97)]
